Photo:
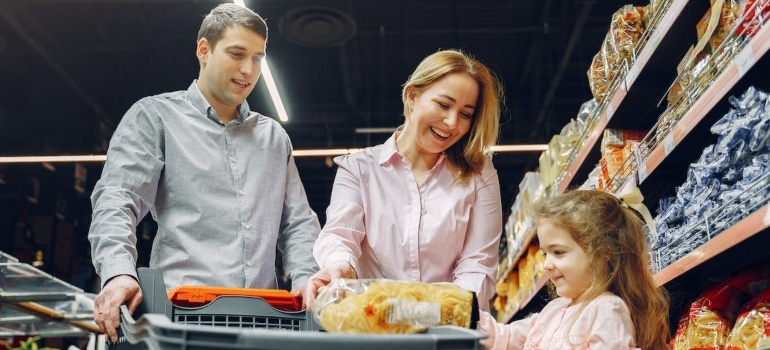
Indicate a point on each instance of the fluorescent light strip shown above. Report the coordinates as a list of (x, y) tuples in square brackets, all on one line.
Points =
[(520, 148), (323, 152), (272, 89), (375, 130), (313, 152), (53, 159)]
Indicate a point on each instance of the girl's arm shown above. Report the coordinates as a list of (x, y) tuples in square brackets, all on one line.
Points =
[(504, 336)]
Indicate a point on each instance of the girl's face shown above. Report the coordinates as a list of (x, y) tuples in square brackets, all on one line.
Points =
[(442, 113), (566, 263)]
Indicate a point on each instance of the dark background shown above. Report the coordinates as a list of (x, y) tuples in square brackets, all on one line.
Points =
[(69, 69)]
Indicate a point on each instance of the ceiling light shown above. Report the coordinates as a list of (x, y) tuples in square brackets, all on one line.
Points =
[(323, 152), (272, 89), (375, 130), (53, 159), (312, 152), (520, 148)]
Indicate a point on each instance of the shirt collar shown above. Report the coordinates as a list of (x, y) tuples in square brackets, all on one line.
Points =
[(204, 107), (390, 150)]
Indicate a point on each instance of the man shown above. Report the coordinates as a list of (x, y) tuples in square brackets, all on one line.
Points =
[(219, 180)]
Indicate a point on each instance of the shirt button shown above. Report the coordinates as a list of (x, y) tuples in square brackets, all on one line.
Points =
[(248, 264), (240, 193), (246, 226), (423, 211)]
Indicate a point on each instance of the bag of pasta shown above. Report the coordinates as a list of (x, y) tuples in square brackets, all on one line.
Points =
[(752, 329), (381, 306), (712, 315), (710, 318)]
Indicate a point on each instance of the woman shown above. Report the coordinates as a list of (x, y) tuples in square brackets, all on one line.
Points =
[(425, 205)]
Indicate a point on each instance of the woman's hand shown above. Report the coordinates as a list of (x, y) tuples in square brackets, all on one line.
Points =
[(338, 269)]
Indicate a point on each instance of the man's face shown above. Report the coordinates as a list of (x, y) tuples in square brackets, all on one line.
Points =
[(230, 70)]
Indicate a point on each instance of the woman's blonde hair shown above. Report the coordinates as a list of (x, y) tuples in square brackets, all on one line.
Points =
[(469, 152), (612, 236)]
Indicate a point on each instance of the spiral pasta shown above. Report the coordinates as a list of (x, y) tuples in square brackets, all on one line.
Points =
[(392, 307)]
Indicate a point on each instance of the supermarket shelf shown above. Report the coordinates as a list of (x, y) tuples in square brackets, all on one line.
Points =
[(539, 284), (666, 33), (732, 73), (750, 226), (82, 321), (34, 302), (529, 236), (619, 95), (5, 258)]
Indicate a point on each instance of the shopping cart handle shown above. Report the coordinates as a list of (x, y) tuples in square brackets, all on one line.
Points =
[(136, 331)]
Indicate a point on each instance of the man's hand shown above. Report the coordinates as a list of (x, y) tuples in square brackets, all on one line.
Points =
[(119, 290), (338, 269)]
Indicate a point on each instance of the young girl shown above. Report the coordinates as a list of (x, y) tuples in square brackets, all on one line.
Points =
[(596, 262)]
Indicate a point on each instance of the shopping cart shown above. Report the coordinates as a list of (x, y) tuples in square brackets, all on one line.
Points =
[(250, 322)]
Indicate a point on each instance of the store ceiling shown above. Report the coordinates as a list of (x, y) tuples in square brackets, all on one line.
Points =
[(70, 69)]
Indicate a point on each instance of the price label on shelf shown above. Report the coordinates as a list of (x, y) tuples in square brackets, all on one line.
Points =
[(668, 144), (641, 172), (745, 60), (655, 39), (631, 76), (609, 111), (766, 218)]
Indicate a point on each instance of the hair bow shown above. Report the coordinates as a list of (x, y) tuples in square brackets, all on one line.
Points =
[(632, 198)]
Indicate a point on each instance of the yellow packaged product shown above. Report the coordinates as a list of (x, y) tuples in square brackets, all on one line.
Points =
[(381, 306), (752, 328), (626, 27), (597, 77)]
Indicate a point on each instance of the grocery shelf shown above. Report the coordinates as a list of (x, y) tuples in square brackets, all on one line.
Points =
[(529, 236), (34, 302), (750, 226), (665, 31), (756, 48), (669, 29), (539, 284), (630, 104)]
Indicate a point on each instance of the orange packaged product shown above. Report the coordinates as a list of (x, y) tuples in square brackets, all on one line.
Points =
[(193, 296), (679, 341), (707, 323), (754, 14)]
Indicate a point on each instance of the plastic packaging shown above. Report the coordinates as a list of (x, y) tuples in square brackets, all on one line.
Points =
[(380, 306)]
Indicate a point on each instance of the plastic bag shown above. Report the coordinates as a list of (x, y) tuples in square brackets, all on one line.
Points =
[(380, 306), (752, 329)]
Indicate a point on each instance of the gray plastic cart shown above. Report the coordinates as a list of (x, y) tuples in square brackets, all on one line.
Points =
[(237, 322)]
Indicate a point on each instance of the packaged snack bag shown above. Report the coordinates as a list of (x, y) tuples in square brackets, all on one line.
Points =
[(752, 328), (381, 306)]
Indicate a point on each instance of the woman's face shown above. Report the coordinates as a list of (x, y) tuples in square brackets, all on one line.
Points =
[(566, 263), (442, 113)]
